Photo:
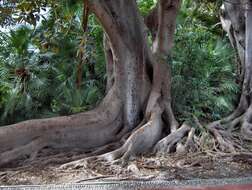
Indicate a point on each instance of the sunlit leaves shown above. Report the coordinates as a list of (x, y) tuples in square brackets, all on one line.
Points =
[(146, 5)]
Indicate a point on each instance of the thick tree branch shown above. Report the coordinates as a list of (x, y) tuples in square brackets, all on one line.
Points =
[(167, 13), (107, 21)]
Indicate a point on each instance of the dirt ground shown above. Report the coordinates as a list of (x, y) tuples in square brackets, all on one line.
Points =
[(47, 170)]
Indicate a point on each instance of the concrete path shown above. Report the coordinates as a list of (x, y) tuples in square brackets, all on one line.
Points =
[(200, 184), (223, 187)]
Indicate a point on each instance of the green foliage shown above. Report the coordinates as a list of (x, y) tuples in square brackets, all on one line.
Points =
[(204, 79), (26, 11), (38, 68), (203, 12), (146, 5)]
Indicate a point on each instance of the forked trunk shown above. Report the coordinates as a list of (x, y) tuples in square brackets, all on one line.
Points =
[(137, 92)]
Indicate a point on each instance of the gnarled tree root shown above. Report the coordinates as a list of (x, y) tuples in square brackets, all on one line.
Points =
[(173, 142), (232, 131), (85, 131), (31, 149), (140, 141)]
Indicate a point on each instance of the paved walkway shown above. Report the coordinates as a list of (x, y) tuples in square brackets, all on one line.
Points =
[(224, 187), (200, 184)]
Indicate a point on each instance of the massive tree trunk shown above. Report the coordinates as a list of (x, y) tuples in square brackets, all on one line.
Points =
[(138, 100)]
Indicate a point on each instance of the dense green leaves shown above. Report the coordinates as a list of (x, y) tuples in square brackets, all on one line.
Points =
[(38, 67), (146, 5), (204, 79)]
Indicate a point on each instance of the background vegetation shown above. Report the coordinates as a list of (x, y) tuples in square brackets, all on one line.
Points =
[(50, 67)]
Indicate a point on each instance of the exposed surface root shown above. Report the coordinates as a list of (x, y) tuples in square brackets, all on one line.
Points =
[(224, 143), (31, 149), (218, 136), (168, 167), (246, 128), (140, 141), (85, 131), (230, 133), (190, 144), (168, 143)]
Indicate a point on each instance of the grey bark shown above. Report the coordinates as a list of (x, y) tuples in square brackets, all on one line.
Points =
[(239, 14)]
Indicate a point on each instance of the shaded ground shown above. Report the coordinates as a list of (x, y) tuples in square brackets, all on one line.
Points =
[(46, 170)]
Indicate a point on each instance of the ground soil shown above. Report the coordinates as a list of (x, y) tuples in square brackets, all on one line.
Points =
[(46, 170)]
